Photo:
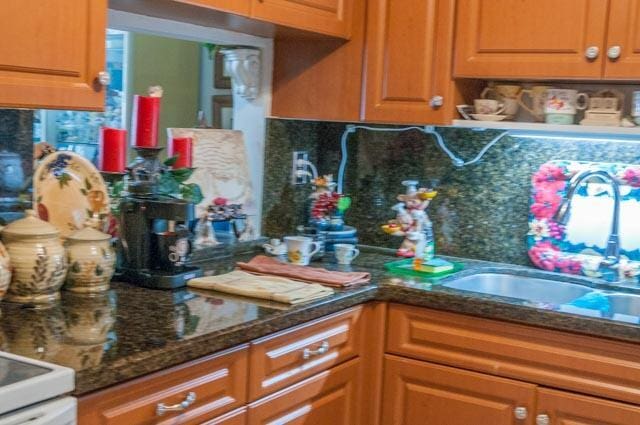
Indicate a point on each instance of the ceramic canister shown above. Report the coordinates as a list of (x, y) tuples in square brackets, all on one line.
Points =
[(91, 261), (38, 260)]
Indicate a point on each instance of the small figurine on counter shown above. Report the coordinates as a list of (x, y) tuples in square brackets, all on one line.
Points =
[(219, 211), (327, 207), (412, 222)]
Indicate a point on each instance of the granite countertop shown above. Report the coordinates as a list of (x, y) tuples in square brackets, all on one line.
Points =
[(131, 331)]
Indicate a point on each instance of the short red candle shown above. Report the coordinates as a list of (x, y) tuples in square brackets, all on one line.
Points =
[(144, 121), (182, 147), (112, 150)]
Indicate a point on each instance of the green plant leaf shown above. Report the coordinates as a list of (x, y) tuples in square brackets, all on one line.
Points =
[(191, 193), (168, 185), (117, 189), (170, 161), (181, 175)]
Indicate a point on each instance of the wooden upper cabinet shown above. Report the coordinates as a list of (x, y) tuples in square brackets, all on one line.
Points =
[(407, 61), (563, 408), (239, 7), (331, 17), (51, 53), (624, 33), (424, 393), (532, 38)]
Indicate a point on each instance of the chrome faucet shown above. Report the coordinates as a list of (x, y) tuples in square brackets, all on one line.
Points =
[(612, 253)]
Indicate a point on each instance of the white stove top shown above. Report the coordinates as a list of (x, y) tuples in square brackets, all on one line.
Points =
[(25, 381)]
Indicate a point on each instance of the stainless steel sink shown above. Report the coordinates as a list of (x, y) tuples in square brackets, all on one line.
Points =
[(626, 304), (520, 287)]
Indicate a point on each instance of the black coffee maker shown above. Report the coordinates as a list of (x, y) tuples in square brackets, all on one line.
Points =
[(155, 239)]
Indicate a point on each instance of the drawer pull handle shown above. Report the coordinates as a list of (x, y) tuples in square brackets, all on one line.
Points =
[(162, 408), (322, 349)]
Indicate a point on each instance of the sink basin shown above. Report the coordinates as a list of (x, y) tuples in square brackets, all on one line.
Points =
[(626, 304), (520, 287)]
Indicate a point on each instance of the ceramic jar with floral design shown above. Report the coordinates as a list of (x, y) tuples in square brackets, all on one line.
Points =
[(5, 271), (38, 260), (91, 261)]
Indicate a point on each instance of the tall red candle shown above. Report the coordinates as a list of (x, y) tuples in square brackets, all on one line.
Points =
[(182, 147), (112, 150), (144, 122)]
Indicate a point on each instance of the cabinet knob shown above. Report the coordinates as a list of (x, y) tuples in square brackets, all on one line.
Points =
[(162, 408), (520, 413), (542, 419), (436, 101), (104, 78), (592, 52), (614, 52)]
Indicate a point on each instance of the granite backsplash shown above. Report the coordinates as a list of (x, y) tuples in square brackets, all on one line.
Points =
[(480, 211)]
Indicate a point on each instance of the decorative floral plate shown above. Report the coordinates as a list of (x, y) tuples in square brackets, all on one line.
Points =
[(68, 190), (578, 248)]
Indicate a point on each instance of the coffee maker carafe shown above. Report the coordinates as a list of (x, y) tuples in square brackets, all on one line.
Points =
[(155, 241)]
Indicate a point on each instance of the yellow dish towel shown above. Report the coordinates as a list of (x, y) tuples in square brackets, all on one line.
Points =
[(265, 287)]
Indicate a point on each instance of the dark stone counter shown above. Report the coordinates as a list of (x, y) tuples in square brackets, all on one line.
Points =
[(132, 331)]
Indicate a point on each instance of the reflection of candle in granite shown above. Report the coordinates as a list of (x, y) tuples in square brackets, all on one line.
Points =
[(112, 150), (144, 121), (182, 148)]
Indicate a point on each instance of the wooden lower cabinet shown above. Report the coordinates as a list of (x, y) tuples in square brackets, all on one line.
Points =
[(563, 408), (217, 383), (328, 398), (417, 392), (237, 417)]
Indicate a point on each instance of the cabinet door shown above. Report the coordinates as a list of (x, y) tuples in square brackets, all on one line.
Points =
[(329, 397), (624, 32), (561, 408), (240, 7), (529, 38), (51, 53), (407, 61), (331, 17), (424, 393)]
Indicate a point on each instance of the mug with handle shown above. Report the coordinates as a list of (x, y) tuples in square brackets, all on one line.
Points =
[(538, 96), (300, 249), (345, 253), (507, 94)]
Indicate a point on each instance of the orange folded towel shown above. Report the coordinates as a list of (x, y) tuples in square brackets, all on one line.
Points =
[(266, 265)]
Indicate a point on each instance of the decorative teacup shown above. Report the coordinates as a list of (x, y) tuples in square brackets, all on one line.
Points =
[(488, 107), (275, 247), (300, 249), (507, 94), (345, 253)]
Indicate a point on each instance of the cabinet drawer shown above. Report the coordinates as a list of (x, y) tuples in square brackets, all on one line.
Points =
[(218, 383), (281, 360), (330, 397), (558, 359), (237, 417)]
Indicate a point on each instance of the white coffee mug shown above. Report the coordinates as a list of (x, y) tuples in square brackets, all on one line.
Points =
[(300, 249), (488, 106), (565, 101), (635, 104), (345, 253)]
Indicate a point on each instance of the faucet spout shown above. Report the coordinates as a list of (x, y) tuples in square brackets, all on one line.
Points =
[(612, 250)]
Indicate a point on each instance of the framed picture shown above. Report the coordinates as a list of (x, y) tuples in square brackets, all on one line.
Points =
[(222, 111), (220, 79)]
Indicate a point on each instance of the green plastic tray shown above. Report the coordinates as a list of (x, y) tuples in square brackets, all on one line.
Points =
[(405, 267)]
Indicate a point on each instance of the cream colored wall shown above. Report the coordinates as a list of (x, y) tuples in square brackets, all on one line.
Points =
[(174, 65)]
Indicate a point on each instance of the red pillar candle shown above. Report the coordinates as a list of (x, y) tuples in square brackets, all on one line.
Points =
[(144, 122), (112, 150), (182, 147)]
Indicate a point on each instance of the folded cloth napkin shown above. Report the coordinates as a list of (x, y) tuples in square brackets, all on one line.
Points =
[(273, 288), (266, 265)]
